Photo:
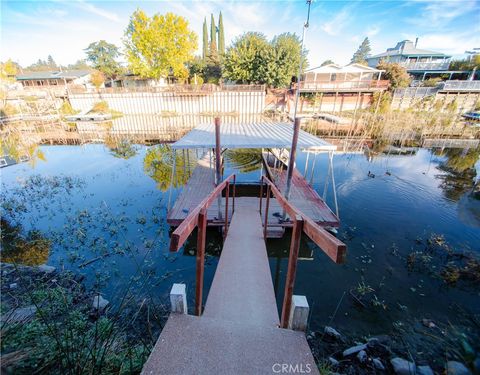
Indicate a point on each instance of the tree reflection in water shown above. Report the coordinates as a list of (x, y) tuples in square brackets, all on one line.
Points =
[(158, 164), (460, 168), (244, 160), (31, 250), (121, 148)]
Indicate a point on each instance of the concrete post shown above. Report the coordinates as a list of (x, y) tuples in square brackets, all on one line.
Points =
[(299, 314), (178, 299)]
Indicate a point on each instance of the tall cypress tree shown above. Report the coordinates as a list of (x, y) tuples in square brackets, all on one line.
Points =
[(213, 36), (362, 53), (205, 39), (221, 36)]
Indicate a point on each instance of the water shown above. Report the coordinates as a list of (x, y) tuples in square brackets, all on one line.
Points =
[(109, 223)]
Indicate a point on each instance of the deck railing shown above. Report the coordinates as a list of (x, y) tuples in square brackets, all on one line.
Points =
[(198, 218), (332, 246), (343, 85)]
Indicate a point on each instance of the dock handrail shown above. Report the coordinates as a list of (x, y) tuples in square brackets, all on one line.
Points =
[(198, 217), (332, 246)]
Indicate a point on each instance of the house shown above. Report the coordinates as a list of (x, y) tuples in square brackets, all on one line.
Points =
[(417, 61), (352, 77), (55, 78)]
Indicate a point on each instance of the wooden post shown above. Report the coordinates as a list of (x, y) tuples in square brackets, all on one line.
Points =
[(234, 192), (227, 192), (298, 318), (293, 152), (261, 195), (218, 166), (292, 269), (178, 299), (266, 213), (201, 239)]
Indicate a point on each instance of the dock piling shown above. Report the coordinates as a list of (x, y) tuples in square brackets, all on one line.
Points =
[(299, 313), (178, 299)]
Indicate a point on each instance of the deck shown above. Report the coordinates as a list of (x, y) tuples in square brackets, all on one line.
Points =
[(302, 196), (238, 332)]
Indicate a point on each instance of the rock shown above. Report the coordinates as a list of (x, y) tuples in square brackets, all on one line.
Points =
[(100, 303), (354, 349), (332, 332), (375, 348), (46, 269), (428, 323), (333, 362), (19, 315), (424, 370), (457, 368), (362, 356), (378, 364), (13, 286), (402, 366)]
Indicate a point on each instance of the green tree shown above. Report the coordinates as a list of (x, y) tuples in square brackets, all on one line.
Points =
[(395, 73), (205, 39), (327, 62), (221, 36), (363, 51), (79, 64), (159, 45), (287, 48), (250, 60), (51, 62), (40, 65), (466, 64), (102, 56), (213, 37)]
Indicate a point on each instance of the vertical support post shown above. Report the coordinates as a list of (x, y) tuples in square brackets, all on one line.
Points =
[(171, 179), (234, 192), (261, 195), (333, 184), (293, 153), (292, 270), (227, 192), (299, 314), (178, 299), (200, 260), (218, 166), (266, 213)]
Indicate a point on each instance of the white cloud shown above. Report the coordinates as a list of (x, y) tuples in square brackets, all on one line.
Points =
[(439, 13), (338, 22), (88, 7), (372, 30)]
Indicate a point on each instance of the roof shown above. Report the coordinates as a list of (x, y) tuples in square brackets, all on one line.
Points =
[(407, 48), (53, 74), (350, 68), (251, 135)]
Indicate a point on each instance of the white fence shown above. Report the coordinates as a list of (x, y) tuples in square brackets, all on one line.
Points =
[(153, 103)]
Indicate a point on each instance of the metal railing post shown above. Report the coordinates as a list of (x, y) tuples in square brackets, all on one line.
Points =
[(266, 213), (234, 192), (201, 239), (292, 269), (261, 194)]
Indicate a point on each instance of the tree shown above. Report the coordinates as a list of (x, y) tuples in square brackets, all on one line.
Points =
[(287, 48), (97, 78), (395, 73), (327, 62), (160, 45), (51, 62), (79, 64), (360, 56), (466, 64), (40, 65), (205, 39), (221, 36), (213, 37), (8, 70), (102, 56), (250, 60)]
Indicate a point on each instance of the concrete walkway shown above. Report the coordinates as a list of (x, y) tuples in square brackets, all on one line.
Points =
[(238, 332)]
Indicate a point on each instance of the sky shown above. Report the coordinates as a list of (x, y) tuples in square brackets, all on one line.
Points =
[(63, 28)]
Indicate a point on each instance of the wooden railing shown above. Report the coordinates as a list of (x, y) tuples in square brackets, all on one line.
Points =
[(198, 218), (332, 246)]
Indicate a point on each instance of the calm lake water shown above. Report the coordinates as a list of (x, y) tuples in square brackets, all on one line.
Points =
[(106, 217)]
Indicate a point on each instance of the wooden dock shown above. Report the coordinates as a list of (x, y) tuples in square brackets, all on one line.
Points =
[(238, 332), (302, 196)]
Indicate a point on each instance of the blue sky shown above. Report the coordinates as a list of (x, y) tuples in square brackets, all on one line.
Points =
[(63, 28)]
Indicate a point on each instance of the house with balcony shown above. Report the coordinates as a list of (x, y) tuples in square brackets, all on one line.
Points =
[(342, 87), (418, 62), (75, 78)]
